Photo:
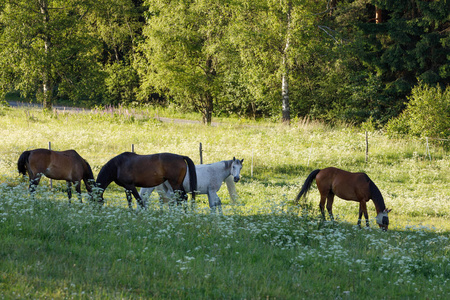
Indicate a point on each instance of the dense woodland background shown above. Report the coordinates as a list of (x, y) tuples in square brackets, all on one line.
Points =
[(377, 61)]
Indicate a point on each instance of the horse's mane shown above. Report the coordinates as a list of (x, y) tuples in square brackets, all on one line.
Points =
[(108, 172), (228, 163), (88, 172), (376, 195)]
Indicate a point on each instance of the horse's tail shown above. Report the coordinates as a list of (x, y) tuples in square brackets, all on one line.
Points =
[(376, 195), (192, 175), (307, 184), (22, 162)]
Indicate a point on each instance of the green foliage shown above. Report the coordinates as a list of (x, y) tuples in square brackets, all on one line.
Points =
[(427, 113), (45, 50), (182, 52), (273, 38), (121, 84), (409, 43), (53, 49), (227, 57)]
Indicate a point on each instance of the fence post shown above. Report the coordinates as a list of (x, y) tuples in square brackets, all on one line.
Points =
[(251, 169), (428, 150), (367, 147), (201, 154), (50, 148), (309, 156)]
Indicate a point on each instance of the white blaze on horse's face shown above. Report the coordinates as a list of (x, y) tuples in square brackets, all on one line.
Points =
[(236, 167), (383, 219)]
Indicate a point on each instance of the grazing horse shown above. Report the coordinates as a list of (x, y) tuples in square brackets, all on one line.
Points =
[(130, 170), (348, 186), (209, 180), (59, 165)]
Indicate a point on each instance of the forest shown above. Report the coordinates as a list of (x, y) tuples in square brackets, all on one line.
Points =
[(378, 61)]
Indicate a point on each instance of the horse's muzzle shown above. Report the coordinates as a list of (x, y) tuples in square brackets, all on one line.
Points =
[(236, 178), (385, 223)]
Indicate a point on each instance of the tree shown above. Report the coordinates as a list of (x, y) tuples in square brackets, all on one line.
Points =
[(68, 48), (182, 52), (42, 44), (274, 41), (118, 25), (396, 45)]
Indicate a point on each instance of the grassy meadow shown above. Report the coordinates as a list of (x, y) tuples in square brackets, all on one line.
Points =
[(261, 247)]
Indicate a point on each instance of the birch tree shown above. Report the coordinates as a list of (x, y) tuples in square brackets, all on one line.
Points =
[(273, 37)]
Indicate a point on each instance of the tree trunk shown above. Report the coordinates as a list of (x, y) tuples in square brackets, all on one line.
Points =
[(378, 15), (208, 100), (208, 109), (46, 73), (286, 110)]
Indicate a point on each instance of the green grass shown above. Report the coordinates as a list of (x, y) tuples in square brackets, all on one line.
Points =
[(261, 247)]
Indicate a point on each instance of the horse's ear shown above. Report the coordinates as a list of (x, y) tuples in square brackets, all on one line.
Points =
[(242, 160), (387, 210), (234, 158)]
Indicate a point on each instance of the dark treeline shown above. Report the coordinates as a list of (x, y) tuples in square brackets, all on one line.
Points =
[(332, 60)]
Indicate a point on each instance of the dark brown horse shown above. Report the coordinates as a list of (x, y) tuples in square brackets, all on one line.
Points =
[(59, 165), (348, 186), (130, 170)]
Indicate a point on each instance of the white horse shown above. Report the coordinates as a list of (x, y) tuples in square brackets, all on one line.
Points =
[(209, 181)]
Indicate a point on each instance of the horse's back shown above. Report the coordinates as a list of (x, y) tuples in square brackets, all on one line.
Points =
[(344, 184), (151, 170), (208, 177), (59, 165)]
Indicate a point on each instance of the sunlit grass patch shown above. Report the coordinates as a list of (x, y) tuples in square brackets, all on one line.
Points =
[(262, 246)]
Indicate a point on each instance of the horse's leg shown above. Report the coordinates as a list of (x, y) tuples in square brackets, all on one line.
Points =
[(165, 192), (330, 199), (78, 190), (34, 183), (323, 198), (145, 194), (366, 215), (363, 210), (137, 197), (69, 191), (231, 186), (181, 198), (214, 201), (129, 199), (359, 215)]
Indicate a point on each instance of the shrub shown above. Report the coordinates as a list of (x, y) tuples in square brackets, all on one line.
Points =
[(427, 114)]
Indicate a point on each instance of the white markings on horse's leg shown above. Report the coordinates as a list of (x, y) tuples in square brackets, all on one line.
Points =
[(129, 199)]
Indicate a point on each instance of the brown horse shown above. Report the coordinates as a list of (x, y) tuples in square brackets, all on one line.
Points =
[(130, 170), (348, 186), (59, 165)]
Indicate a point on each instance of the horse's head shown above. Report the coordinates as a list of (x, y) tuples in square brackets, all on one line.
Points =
[(97, 193), (236, 167), (383, 219)]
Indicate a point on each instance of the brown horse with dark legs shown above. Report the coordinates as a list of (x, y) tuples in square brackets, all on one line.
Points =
[(348, 186), (130, 170), (59, 165)]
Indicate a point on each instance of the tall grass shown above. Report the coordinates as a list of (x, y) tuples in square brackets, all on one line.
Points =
[(262, 247)]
